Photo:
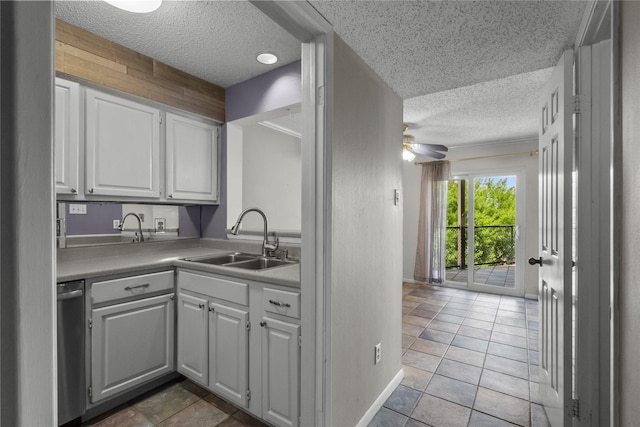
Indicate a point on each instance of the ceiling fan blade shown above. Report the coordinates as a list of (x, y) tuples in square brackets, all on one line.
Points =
[(420, 147), (425, 151), (436, 147)]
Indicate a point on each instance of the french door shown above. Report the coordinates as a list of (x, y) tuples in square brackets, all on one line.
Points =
[(484, 239)]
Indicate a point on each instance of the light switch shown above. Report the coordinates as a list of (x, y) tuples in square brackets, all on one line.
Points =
[(396, 197)]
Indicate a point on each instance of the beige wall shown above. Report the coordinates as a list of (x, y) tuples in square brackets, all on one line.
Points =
[(365, 237), (528, 225), (629, 289)]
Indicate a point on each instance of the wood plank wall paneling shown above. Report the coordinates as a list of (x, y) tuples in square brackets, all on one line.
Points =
[(85, 55)]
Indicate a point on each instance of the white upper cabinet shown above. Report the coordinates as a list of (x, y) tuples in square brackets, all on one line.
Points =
[(67, 136), (122, 147), (192, 159)]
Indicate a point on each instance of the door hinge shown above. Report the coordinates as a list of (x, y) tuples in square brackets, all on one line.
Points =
[(90, 391), (90, 323), (248, 325), (321, 94), (160, 120), (248, 394), (575, 408), (299, 340), (576, 104)]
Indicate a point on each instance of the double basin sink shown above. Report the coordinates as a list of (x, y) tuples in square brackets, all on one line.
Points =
[(243, 260)]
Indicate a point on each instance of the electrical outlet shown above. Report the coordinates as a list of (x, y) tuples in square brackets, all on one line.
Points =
[(75, 209), (378, 353), (116, 224)]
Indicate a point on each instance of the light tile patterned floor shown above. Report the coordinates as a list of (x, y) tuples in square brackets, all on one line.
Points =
[(470, 359), (494, 275), (179, 403)]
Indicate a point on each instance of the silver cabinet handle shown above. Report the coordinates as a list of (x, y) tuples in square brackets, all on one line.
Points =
[(279, 304), (130, 288), (201, 306), (74, 191), (170, 196), (91, 190), (263, 323)]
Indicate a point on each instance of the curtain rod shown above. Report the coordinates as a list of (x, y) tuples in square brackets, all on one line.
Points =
[(531, 153)]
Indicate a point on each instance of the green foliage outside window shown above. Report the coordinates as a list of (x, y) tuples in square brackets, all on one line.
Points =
[(495, 217)]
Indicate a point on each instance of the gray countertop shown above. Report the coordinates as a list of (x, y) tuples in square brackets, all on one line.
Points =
[(92, 262)]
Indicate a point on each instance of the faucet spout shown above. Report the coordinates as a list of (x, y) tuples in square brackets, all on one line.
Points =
[(139, 238), (266, 246)]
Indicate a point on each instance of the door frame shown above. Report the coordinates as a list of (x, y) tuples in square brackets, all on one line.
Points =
[(597, 233), (520, 174)]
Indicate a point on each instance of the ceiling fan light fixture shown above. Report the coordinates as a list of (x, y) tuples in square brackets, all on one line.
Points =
[(136, 6), (267, 58), (408, 155)]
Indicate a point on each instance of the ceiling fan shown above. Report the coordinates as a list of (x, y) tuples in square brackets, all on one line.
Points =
[(410, 148)]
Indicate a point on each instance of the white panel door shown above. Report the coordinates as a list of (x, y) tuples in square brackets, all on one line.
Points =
[(123, 147), (280, 372), (229, 353), (192, 159), (131, 343), (555, 257), (67, 136), (193, 336)]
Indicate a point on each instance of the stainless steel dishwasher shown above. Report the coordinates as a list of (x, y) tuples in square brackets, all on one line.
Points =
[(71, 351)]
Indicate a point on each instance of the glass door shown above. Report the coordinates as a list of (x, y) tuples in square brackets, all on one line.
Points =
[(483, 234)]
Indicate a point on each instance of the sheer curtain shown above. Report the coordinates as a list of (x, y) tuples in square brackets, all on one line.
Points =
[(430, 253)]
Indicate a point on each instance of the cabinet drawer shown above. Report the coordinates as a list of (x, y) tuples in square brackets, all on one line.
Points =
[(214, 287), (131, 286), (281, 302)]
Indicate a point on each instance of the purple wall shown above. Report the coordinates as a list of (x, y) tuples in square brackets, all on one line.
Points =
[(189, 221), (269, 91), (98, 220), (276, 89)]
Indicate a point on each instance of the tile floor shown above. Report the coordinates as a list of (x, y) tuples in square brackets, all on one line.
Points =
[(179, 403), (495, 275), (470, 359)]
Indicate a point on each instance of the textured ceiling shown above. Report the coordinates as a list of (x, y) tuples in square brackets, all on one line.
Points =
[(498, 110), (469, 71), (423, 47), (214, 40)]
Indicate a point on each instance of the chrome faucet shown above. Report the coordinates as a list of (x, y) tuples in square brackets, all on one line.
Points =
[(266, 246), (139, 237)]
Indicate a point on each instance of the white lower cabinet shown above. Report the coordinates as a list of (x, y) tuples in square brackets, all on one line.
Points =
[(131, 343), (193, 352), (256, 368), (280, 372), (229, 353)]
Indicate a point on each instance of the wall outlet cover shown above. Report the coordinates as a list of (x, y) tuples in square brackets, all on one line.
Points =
[(77, 209)]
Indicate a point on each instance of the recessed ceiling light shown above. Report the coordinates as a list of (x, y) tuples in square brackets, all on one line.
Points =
[(267, 58), (136, 6)]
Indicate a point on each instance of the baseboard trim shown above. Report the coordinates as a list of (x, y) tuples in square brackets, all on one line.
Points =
[(375, 407), (531, 296)]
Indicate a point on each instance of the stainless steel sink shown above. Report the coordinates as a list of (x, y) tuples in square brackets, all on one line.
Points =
[(223, 259), (261, 263), (242, 260)]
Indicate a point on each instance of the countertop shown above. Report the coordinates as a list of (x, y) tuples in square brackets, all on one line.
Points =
[(97, 261)]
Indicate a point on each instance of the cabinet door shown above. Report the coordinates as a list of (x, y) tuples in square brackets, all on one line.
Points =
[(131, 343), (67, 136), (123, 147), (193, 351), (229, 353), (192, 159), (280, 372)]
